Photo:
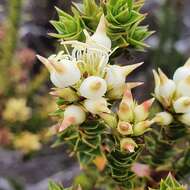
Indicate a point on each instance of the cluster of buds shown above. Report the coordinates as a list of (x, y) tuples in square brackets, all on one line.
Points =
[(86, 81), (133, 119), (174, 95)]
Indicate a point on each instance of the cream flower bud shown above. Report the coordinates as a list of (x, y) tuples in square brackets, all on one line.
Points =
[(63, 73), (164, 88), (93, 87), (182, 72), (128, 144), (185, 119), (116, 75), (100, 39), (183, 87), (125, 111), (67, 94), (73, 115), (109, 119), (163, 118), (167, 86), (125, 128), (97, 106), (182, 105), (141, 112), (141, 127), (117, 92), (126, 107)]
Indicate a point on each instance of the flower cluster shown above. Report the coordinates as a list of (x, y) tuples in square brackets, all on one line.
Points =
[(88, 85), (174, 95), (133, 119)]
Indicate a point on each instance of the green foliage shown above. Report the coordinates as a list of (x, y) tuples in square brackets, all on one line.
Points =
[(68, 27), (54, 186), (170, 184), (90, 14), (160, 151), (85, 141), (123, 22), (119, 164), (182, 166), (123, 18)]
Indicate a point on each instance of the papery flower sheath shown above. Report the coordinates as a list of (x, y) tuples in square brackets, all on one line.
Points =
[(182, 72), (99, 39), (183, 87), (61, 71), (141, 111), (73, 115), (164, 88), (97, 106), (116, 75), (93, 87)]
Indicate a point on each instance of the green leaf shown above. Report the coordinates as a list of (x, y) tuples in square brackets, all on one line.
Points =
[(171, 184), (54, 186)]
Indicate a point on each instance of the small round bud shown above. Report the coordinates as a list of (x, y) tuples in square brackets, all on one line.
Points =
[(125, 128), (163, 118), (93, 87), (128, 144)]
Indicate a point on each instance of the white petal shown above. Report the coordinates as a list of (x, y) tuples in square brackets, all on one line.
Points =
[(185, 119), (182, 105), (93, 87), (99, 38), (181, 73), (183, 87)]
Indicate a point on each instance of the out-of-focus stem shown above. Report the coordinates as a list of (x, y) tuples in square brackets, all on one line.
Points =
[(37, 81), (10, 41)]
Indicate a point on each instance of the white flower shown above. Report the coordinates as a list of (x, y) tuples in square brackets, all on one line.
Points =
[(163, 118), (63, 73), (167, 86), (73, 115), (164, 88), (99, 39), (182, 105), (93, 87), (185, 118), (97, 106), (182, 72), (116, 75), (183, 87)]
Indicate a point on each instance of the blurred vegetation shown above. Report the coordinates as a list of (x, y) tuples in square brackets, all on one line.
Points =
[(23, 110)]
